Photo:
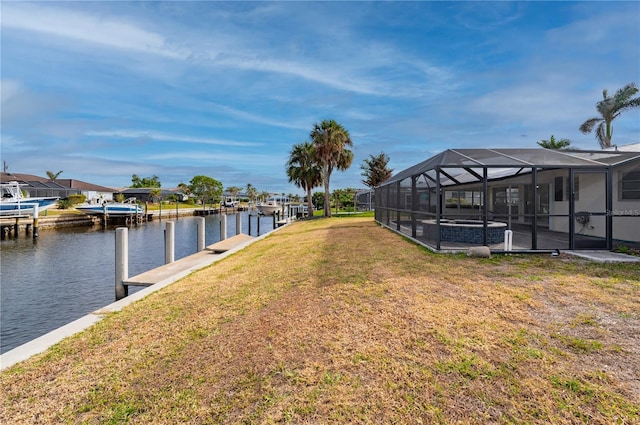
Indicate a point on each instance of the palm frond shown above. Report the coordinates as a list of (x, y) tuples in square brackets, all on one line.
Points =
[(601, 136), (633, 103), (588, 125), (624, 94)]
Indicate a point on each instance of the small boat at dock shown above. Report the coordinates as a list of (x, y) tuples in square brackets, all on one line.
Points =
[(14, 202), (230, 203), (273, 204), (126, 208)]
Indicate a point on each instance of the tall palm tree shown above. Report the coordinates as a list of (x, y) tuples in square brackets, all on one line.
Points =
[(331, 141), (303, 170), (609, 108)]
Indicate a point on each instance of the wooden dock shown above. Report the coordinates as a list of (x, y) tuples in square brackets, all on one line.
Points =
[(187, 265), (227, 244)]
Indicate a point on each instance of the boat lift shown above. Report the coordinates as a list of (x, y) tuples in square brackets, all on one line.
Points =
[(11, 223)]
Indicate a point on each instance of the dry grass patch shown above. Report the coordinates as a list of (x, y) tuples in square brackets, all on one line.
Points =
[(340, 320)]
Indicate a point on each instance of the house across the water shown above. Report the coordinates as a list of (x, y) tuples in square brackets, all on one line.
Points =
[(41, 186)]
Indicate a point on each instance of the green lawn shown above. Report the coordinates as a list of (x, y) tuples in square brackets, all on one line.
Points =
[(342, 321)]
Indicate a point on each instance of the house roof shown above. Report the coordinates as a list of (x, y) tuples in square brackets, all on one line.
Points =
[(632, 147), (460, 166), (44, 182), (81, 185)]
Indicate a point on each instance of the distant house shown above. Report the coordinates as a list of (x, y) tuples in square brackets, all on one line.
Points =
[(43, 186), (92, 191), (229, 197), (143, 194)]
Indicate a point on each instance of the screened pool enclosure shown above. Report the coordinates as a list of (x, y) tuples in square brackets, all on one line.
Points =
[(547, 199)]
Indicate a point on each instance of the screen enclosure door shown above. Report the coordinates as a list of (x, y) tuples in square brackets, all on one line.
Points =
[(589, 199)]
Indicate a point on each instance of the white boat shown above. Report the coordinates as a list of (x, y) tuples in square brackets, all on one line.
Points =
[(113, 209), (14, 202), (273, 205), (230, 203)]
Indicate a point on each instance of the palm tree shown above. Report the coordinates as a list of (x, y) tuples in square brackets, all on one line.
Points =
[(233, 191), (552, 143), (331, 140), (156, 193), (252, 192), (303, 170), (53, 176), (609, 108)]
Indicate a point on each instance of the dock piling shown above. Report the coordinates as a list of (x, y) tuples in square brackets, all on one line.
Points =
[(169, 242), (105, 216), (223, 227), (238, 223), (201, 233), (122, 262), (35, 221)]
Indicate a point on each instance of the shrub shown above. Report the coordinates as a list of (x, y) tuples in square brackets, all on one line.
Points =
[(77, 199), (64, 204)]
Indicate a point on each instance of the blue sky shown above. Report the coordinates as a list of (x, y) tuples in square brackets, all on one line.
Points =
[(104, 90)]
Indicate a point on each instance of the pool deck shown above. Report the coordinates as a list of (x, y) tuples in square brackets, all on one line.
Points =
[(604, 256)]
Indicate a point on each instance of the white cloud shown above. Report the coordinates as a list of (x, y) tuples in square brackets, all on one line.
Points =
[(22, 107), (237, 51), (260, 119), (87, 28), (12, 144), (219, 157), (9, 89), (165, 137)]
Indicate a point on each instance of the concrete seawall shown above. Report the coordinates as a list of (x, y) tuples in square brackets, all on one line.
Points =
[(67, 220)]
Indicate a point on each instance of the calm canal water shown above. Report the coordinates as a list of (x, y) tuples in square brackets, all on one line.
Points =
[(68, 273)]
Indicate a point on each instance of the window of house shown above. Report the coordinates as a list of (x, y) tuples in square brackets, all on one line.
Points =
[(630, 185), (463, 198)]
